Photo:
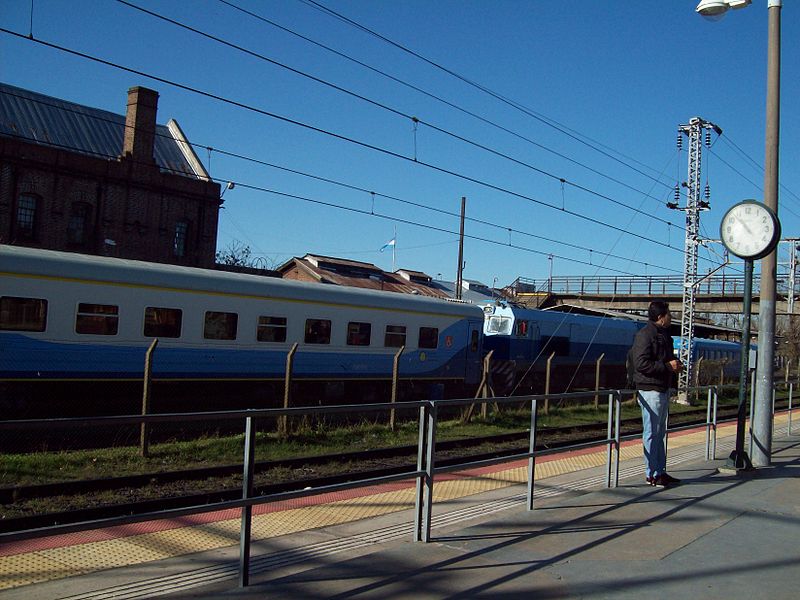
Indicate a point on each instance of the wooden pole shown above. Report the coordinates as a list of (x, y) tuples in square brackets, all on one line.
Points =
[(460, 271), (483, 386), (547, 385), (144, 432), (395, 381), (283, 420), (597, 381)]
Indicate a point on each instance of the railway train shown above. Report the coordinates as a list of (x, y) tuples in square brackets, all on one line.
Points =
[(67, 319), (523, 340), (74, 330)]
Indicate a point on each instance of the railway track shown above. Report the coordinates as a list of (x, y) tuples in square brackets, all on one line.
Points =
[(116, 496)]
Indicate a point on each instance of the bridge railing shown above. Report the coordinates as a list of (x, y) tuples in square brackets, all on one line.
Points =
[(654, 285)]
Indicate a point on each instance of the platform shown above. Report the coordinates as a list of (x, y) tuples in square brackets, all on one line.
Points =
[(714, 536)]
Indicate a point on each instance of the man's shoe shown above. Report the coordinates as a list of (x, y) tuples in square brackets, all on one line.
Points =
[(660, 481), (650, 480)]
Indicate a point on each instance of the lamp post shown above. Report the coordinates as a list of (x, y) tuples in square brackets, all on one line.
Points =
[(762, 413)]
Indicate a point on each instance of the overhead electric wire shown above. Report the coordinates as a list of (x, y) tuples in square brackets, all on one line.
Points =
[(332, 134), (397, 112), (520, 107), (373, 193), (437, 98)]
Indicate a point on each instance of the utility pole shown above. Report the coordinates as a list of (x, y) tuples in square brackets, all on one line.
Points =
[(762, 413), (694, 204), (460, 272)]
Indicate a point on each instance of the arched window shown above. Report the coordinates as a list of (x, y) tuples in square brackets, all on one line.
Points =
[(78, 226), (181, 237), (26, 216)]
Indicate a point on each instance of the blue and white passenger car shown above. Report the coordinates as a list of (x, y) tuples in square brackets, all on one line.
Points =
[(69, 317)]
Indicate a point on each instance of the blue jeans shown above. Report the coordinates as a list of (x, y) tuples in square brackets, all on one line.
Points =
[(655, 407)]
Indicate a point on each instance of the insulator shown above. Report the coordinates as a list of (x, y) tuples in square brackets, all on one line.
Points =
[(708, 192), (677, 192), (708, 138), (680, 141)]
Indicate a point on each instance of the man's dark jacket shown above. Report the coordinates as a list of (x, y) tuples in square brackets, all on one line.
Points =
[(651, 351)]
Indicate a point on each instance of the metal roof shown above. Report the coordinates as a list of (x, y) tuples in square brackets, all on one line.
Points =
[(48, 121)]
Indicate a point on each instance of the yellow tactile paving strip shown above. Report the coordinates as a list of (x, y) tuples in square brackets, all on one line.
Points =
[(56, 563)]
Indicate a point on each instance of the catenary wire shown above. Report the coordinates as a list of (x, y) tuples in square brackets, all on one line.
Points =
[(592, 251), (399, 113), (436, 97), (332, 134)]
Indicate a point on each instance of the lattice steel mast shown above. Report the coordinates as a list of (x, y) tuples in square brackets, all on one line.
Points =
[(694, 205)]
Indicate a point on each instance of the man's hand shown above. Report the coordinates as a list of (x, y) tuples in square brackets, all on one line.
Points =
[(675, 365)]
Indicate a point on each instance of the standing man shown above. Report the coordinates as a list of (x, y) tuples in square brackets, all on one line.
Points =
[(655, 367)]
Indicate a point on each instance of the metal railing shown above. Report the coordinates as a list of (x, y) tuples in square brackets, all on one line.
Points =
[(424, 474)]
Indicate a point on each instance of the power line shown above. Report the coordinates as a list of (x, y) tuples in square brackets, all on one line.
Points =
[(332, 134), (520, 107), (510, 230), (396, 112), (437, 98)]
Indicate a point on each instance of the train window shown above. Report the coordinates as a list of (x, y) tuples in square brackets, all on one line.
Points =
[(395, 336), (271, 329), (499, 325), (522, 328), (97, 319), (220, 325), (473, 344), (358, 334), (162, 322), (318, 331), (23, 314), (428, 337)]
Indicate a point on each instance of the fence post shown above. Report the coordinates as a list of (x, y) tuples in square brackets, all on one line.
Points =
[(395, 378), (247, 511), (597, 381), (532, 451), (547, 385), (283, 420), (697, 379), (425, 457), (144, 431), (791, 389)]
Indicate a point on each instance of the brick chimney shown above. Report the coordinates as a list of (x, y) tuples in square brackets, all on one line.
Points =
[(140, 124)]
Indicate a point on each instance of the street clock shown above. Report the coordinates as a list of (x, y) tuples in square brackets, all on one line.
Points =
[(750, 230)]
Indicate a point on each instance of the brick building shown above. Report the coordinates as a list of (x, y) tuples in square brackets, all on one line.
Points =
[(85, 180)]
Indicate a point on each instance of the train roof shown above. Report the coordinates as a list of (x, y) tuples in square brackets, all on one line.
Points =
[(16, 260)]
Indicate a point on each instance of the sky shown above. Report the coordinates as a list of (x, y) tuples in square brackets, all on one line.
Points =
[(345, 124)]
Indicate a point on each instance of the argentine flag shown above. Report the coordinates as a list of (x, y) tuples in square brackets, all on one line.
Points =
[(391, 243)]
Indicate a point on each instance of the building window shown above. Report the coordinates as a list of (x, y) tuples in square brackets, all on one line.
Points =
[(26, 216), (97, 319), (23, 314), (428, 337), (162, 322), (358, 334), (78, 223), (271, 329), (220, 325), (395, 336), (181, 237), (318, 331)]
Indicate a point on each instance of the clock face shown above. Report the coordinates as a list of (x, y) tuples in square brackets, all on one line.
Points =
[(750, 230)]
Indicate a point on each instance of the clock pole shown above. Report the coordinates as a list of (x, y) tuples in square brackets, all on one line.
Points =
[(738, 459)]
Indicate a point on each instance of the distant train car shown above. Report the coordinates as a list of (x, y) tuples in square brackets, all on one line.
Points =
[(524, 339), (74, 318), (720, 352)]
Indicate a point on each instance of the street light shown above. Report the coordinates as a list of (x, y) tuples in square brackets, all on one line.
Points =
[(762, 414)]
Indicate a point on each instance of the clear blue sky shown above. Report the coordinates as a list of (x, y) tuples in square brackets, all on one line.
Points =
[(617, 75)]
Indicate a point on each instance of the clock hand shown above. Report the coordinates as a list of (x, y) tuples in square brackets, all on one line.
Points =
[(750, 231)]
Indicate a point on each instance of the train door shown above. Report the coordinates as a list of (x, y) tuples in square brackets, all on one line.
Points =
[(474, 352)]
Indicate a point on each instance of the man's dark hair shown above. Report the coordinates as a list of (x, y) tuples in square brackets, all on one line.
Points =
[(657, 309)]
